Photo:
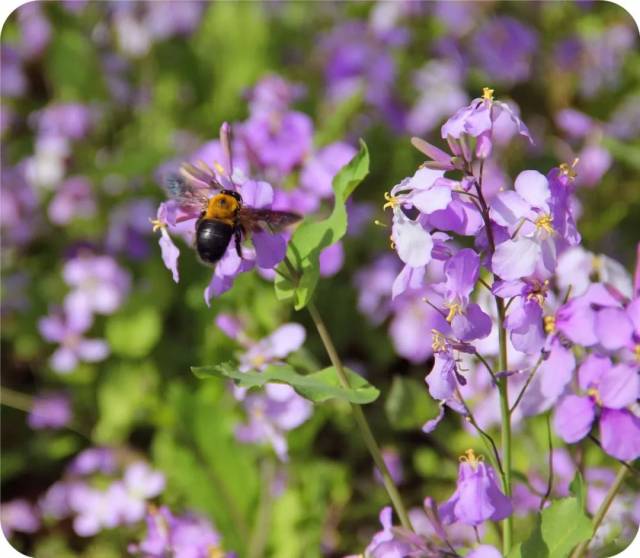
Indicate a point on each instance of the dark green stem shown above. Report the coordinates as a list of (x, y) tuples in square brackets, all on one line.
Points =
[(361, 421), (602, 511)]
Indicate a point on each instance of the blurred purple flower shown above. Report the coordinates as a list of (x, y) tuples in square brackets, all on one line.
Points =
[(504, 48), (99, 285), (574, 123), (331, 260), (373, 284), (93, 460), (18, 207), (50, 410), (71, 121), (35, 30), (271, 414), (67, 330), (18, 515), (321, 167), (393, 462), (129, 228), (73, 198), (94, 509), (187, 536), (172, 18), (477, 497), (278, 141), (13, 82), (273, 94)]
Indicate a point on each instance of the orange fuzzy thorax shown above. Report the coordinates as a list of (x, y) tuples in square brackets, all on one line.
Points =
[(222, 207)]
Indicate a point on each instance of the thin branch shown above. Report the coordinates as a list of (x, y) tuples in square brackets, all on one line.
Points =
[(526, 384)]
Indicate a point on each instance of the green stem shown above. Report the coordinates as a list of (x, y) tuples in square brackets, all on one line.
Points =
[(602, 511), (505, 414), (361, 420)]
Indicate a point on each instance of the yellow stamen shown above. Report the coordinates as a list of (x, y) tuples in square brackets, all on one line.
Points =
[(258, 360), (439, 341), (392, 244), (471, 458), (545, 222), (454, 310), (157, 224), (487, 93), (219, 168), (596, 263), (636, 352), (593, 392), (392, 201), (214, 551), (380, 223), (570, 170), (549, 324), (539, 293)]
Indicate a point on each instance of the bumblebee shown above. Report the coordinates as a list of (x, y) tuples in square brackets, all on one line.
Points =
[(221, 217)]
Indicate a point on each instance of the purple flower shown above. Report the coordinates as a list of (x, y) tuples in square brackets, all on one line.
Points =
[(99, 285), (477, 497), (467, 319), (93, 460), (51, 410), (187, 536), (476, 119), (504, 48), (14, 81), (35, 30), (574, 123), (18, 515), (94, 509), (387, 543), (169, 19), (272, 94), (611, 390), (129, 229), (271, 414), (19, 205), (55, 502), (67, 330), (278, 141), (320, 168), (331, 260), (74, 198), (394, 463), (70, 121), (374, 287)]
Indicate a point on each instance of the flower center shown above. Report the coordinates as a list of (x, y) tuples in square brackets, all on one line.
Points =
[(636, 352), (471, 458), (549, 324), (545, 223), (487, 93), (258, 360), (539, 292), (214, 551), (438, 342), (392, 201), (569, 170), (455, 309), (593, 392)]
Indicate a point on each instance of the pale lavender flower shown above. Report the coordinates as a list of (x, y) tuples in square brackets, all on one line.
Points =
[(18, 515), (373, 284), (35, 30), (95, 510), (271, 94), (18, 206), (477, 497), (271, 414), (322, 166), (504, 48), (394, 463), (70, 121), (50, 410), (172, 18), (93, 460), (331, 260), (73, 198), (67, 330), (14, 81), (99, 285), (129, 228)]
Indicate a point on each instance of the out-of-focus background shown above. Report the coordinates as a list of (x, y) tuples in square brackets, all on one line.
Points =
[(99, 99)]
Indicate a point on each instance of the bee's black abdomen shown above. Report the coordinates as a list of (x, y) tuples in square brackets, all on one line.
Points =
[(212, 239)]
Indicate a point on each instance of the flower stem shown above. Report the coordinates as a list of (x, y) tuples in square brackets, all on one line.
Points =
[(260, 533), (602, 511), (361, 421), (505, 414)]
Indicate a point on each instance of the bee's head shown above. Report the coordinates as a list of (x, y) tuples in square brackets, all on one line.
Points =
[(224, 205)]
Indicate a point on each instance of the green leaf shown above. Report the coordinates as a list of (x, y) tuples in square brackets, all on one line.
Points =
[(134, 333), (311, 237), (408, 406), (559, 528), (317, 387)]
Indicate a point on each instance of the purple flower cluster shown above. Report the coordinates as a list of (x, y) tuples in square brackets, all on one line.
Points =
[(278, 408), (276, 144)]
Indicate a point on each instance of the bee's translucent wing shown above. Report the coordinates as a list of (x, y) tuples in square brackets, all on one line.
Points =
[(187, 195), (266, 219)]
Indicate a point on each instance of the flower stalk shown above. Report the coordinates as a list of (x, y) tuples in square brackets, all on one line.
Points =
[(361, 421)]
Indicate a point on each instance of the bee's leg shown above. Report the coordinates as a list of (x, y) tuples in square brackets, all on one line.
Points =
[(238, 238)]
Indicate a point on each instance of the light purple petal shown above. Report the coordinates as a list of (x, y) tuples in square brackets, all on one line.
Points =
[(256, 193), (514, 259), (285, 340), (462, 272), (533, 186), (484, 551), (473, 324), (64, 360), (573, 418), (620, 434), (507, 208), (435, 199), (613, 328), (432, 424), (413, 243), (270, 249), (170, 254), (93, 350), (441, 379), (619, 386), (591, 370), (556, 372)]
